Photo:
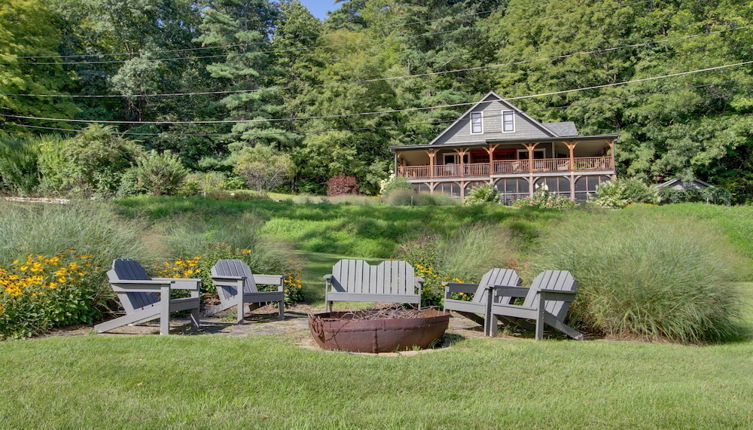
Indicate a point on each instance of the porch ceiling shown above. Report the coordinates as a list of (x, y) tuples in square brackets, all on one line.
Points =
[(599, 137)]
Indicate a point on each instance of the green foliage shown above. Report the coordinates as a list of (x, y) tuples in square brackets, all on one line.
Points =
[(543, 199), (402, 197), (19, 165), (482, 194), (395, 183), (263, 167), (159, 174), (646, 275), (711, 195), (89, 164), (619, 193)]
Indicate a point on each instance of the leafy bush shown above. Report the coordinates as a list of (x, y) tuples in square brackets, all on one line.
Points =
[(341, 185), (263, 167), (400, 198), (711, 195), (482, 194), (395, 183), (412, 198), (41, 291), (619, 193), (90, 164), (543, 199), (129, 184), (19, 165), (462, 257), (159, 174), (649, 275)]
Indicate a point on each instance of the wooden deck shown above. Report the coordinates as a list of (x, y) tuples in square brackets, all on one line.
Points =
[(508, 167)]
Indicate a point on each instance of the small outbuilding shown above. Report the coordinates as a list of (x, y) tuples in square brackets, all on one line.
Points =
[(679, 184)]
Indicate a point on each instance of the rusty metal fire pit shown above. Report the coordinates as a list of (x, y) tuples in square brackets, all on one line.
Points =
[(360, 332)]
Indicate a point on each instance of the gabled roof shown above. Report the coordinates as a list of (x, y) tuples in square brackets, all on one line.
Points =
[(496, 97), (563, 129), (685, 184)]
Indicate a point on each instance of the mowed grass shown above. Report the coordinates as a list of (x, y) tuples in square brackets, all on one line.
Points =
[(224, 382)]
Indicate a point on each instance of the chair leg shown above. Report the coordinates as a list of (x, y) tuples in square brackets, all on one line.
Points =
[(195, 315), (239, 313), (281, 309), (164, 316), (327, 306), (492, 326), (540, 319)]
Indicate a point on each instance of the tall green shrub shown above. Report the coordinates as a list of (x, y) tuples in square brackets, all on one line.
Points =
[(89, 164), (619, 193), (19, 165), (649, 276), (159, 174), (483, 194)]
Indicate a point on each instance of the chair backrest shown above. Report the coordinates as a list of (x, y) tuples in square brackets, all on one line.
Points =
[(233, 268), (506, 277), (560, 280), (389, 277), (125, 269)]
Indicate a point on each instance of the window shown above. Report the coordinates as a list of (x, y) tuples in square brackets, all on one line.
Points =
[(508, 121), (477, 124)]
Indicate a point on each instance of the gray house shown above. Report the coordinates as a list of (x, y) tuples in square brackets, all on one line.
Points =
[(496, 143)]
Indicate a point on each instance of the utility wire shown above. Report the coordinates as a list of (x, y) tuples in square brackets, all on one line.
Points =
[(397, 126), (387, 111), (392, 78)]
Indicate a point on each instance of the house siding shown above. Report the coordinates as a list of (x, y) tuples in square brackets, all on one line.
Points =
[(492, 119)]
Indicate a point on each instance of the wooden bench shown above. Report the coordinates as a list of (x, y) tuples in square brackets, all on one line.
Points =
[(356, 281)]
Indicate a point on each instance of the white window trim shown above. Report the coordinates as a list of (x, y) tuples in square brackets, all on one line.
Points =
[(470, 122), (502, 119)]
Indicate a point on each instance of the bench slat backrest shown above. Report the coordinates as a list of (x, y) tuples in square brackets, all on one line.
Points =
[(233, 268), (505, 277), (359, 277), (559, 280), (125, 269)]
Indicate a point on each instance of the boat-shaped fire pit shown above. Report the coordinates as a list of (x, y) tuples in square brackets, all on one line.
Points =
[(378, 330)]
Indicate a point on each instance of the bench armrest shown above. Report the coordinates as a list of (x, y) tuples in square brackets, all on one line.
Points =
[(458, 287), (268, 279)]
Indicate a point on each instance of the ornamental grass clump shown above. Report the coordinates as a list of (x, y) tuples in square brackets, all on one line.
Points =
[(651, 276)]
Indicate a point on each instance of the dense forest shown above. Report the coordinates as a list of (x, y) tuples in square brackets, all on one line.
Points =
[(206, 79)]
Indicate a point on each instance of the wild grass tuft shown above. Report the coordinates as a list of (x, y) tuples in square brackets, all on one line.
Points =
[(647, 275)]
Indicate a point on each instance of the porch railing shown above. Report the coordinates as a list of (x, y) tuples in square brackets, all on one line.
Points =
[(507, 167)]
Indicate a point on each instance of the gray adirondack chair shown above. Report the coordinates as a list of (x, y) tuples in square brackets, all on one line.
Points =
[(145, 299), (391, 281), (478, 304), (546, 302), (231, 276)]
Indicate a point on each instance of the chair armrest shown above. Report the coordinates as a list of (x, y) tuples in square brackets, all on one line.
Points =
[(508, 291), (193, 284), (458, 287), (139, 286), (268, 279), (227, 278), (419, 281), (566, 296), (328, 278)]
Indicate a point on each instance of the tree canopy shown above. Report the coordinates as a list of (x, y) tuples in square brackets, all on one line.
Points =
[(278, 77)]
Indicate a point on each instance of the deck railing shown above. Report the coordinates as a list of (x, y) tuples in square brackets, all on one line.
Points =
[(508, 167)]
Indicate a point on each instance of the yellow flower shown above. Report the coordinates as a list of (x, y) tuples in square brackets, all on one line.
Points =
[(15, 262), (24, 268), (52, 285), (73, 266), (62, 279)]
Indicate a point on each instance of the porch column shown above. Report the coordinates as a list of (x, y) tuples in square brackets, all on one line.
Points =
[(490, 150), (530, 147), (432, 153), (571, 148), (395, 166), (461, 154), (611, 154)]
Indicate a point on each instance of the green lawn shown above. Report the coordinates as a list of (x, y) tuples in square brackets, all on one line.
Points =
[(268, 382)]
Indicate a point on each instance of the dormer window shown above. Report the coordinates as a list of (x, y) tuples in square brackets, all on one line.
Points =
[(508, 121), (477, 123)]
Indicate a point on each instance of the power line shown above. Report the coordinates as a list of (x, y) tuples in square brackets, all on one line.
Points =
[(388, 111), (391, 78), (397, 126)]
